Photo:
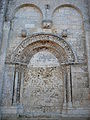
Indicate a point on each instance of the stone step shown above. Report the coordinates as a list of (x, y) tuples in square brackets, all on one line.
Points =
[(44, 118), (69, 118), (39, 119)]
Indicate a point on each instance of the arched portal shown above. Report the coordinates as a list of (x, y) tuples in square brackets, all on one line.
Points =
[(45, 85)]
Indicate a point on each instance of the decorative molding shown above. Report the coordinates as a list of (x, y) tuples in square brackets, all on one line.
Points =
[(42, 40)]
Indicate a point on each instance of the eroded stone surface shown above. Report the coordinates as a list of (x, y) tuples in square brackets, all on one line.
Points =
[(44, 72)]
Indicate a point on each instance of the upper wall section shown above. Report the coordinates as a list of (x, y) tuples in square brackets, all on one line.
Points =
[(80, 4), (26, 17)]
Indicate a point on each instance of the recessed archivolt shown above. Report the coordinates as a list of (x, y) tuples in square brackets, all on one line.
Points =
[(27, 55), (40, 41)]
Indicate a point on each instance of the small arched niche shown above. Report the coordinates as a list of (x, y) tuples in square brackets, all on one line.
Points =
[(27, 18), (69, 18), (43, 84), (27, 15)]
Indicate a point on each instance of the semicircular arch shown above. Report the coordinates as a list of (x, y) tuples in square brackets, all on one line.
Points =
[(26, 5), (39, 41), (70, 6)]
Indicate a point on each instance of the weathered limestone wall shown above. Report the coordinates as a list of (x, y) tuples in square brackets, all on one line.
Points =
[(45, 81), (3, 8), (88, 41), (45, 59)]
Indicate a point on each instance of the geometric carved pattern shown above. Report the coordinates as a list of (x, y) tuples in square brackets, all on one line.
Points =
[(39, 42)]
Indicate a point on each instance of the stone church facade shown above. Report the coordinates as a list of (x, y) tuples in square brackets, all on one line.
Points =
[(44, 60)]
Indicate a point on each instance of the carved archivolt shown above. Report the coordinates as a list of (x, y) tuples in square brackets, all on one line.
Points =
[(39, 42)]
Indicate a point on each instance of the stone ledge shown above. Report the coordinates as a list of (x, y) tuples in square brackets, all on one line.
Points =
[(69, 112), (63, 118), (11, 110)]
